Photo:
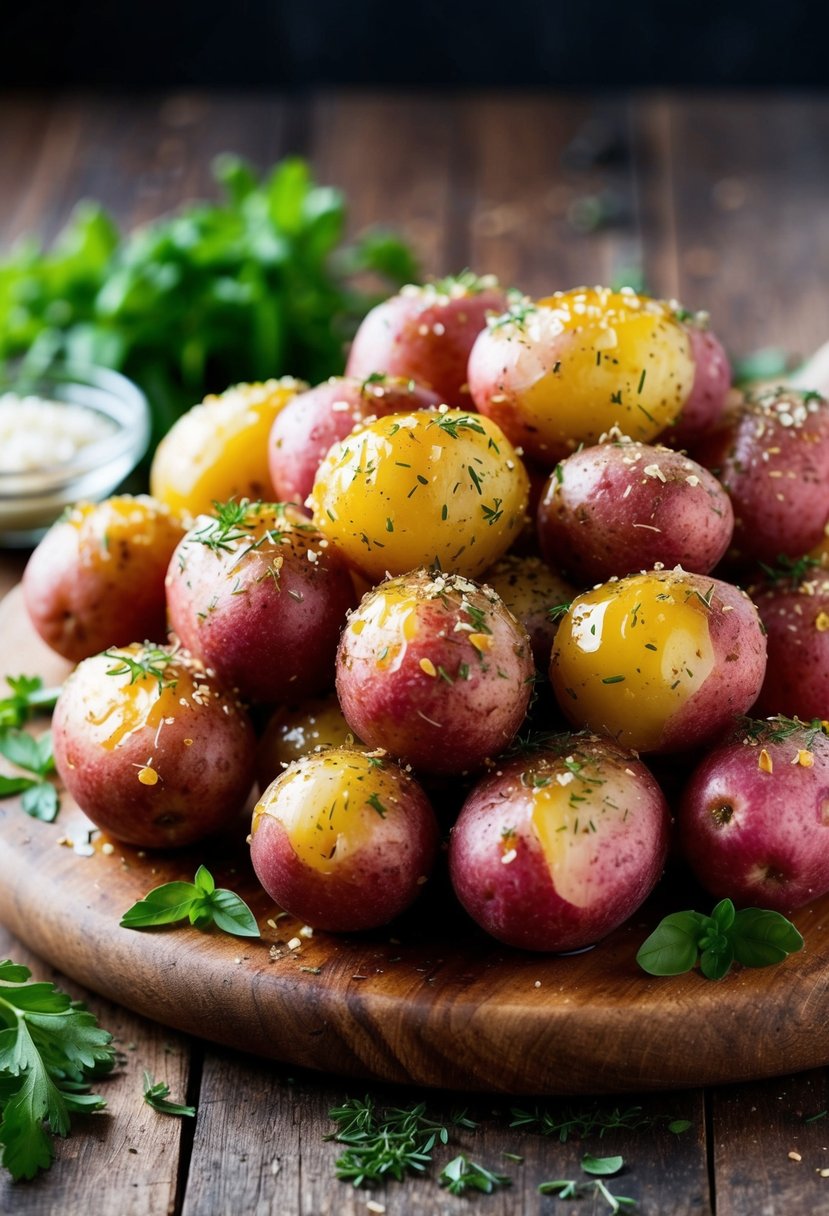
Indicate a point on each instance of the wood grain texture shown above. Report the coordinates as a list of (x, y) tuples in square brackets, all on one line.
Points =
[(260, 1148), (754, 1129), (125, 1159), (430, 1001)]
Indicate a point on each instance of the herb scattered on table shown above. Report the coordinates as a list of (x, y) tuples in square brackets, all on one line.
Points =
[(579, 1124), (254, 285), (753, 937), (200, 902), (598, 1168), (462, 1175), (156, 1094), (50, 1048), (387, 1142)]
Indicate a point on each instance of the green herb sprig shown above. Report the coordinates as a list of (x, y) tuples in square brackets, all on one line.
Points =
[(598, 1168), (39, 797), (254, 285), (462, 1175), (28, 697), (200, 902), (156, 1095), (753, 937), (50, 1048), (387, 1142), (569, 1123)]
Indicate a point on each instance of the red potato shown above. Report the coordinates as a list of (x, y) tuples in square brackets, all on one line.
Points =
[(311, 423), (710, 388), (753, 818), (97, 577), (662, 661), (530, 589), (436, 670), (771, 452), (343, 840), (796, 619), (151, 748), (564, 371), (623, 506), (426, 334), (258, 595), (558, 848)]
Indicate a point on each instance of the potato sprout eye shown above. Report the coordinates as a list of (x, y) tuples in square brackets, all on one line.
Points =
[(722, 813)]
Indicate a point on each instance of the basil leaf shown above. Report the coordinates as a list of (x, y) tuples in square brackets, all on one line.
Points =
[(761, 937), (678, 1126), (723, 915), (672, 947), (601, 1166), (204, 881), (716, 963), (232, 914), (41, 802), (164, 911), (201, 914)]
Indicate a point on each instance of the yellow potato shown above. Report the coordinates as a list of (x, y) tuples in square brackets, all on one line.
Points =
[(219, 450), (443, 489)]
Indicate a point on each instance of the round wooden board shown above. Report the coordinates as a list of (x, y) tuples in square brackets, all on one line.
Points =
[(428, 1001)]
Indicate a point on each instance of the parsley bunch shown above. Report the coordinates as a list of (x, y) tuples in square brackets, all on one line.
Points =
[(254, 285), (50, 1047)]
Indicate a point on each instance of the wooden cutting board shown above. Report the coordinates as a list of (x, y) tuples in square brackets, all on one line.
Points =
[(428, 1001)]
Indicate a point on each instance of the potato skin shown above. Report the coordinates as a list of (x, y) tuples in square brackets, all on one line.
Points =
[(97, 577), (435, 670), (753, 818), (157, 760), (662, 661), (444, 488), (567, 369), (796, 619), (771, 452), (343, 840), (262, 604), (219, 449), (710, 389), (426, 334), (309, 425), (529, 588), (558, 848), (621, 507)]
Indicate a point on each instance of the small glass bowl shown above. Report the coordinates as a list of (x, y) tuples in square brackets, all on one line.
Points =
[(32, 500)]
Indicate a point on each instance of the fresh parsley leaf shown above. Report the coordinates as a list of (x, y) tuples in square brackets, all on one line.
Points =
[(22, 749), (49, 1047), (28, 696), (41, 802), (156, 1094), (753, 937), (201, 902), (14, 785)]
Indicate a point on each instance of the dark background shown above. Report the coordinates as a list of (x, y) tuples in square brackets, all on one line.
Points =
[(531, 43)]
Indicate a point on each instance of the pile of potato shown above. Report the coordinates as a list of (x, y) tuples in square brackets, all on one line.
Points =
[(477, 570)]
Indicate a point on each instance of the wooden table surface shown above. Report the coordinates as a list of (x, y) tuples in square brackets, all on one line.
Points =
[(720, 202)]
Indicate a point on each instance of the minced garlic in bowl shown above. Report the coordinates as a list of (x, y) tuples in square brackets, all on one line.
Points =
[(65, 435)]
